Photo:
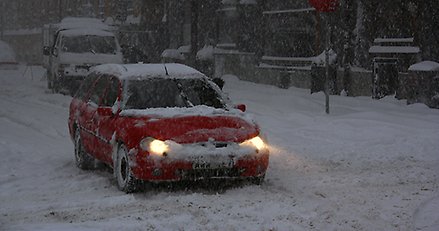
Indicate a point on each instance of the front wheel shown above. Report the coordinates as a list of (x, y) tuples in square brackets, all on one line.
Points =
[(258, 180), (124, 175), (82, 158)]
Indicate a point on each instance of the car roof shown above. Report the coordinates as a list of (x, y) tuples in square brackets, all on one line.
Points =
[(86, 31), (146, 71), (81, 23)]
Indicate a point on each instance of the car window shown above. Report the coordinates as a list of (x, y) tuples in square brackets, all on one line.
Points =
[(161, 93), (111, 93), (87, 83), (99, 89)]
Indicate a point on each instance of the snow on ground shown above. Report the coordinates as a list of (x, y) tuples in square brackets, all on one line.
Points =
[(369, 165)]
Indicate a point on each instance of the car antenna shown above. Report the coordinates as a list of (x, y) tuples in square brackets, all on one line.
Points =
[(166, 69)]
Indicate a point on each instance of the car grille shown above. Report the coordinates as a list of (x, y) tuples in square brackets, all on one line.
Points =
[(216, 144), (217, 173)]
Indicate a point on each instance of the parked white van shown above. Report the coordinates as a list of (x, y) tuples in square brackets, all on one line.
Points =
[(72, 47)]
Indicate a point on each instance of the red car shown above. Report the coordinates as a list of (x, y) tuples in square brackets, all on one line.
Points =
[(163, 122)]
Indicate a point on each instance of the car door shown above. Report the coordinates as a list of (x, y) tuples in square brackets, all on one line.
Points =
[(89, 117), (106, 119), (80, 107)]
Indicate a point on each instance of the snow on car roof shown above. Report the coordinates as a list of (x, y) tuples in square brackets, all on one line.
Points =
[(78, 32), (74, 23), (136, 71)]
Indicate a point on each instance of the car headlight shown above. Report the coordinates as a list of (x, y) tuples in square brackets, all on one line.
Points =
[(154, 146), (256, 142)]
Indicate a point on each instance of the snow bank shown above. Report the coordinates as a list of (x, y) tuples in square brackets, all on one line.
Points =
[(172, 54), (206, 53), (425, 66), (321, 59), (394, 50)]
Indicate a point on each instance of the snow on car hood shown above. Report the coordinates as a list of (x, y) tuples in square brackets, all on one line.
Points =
[(194, 124)]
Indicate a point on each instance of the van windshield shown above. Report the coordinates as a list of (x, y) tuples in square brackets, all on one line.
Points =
[(89, 43)]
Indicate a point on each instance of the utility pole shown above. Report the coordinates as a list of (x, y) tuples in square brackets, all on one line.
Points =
[(194, 32), (2, 19), (60, 10), (326, 6)]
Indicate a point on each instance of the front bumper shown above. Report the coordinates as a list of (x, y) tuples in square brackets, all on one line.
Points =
[(167, 169)]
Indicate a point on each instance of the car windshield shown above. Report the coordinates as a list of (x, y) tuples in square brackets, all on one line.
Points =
[(161, 93), (89, 43)]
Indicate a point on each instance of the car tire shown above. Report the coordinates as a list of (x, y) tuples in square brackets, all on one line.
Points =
[(258, 180), (126, 181), (83, 160)]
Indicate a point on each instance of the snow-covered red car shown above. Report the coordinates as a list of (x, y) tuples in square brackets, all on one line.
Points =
[(163, 122)]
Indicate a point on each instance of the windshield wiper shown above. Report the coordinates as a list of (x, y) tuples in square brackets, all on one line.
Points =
[(182, 93)]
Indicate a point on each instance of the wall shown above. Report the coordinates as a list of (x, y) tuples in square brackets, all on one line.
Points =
[(245, 67)]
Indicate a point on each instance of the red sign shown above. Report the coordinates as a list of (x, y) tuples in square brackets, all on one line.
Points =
[(324, 5)]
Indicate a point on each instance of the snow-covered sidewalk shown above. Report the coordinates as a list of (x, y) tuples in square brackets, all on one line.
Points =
[(369, 165)]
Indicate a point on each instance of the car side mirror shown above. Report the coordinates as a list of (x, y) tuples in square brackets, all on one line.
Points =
[(105, 111), (219, 82), (241, 107), (46, 50)]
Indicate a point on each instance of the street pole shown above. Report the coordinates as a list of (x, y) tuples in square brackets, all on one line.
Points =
[(2, 19), (194, 32), (327, 6), (328, 38)]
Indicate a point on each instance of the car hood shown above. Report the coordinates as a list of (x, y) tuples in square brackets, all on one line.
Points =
[(191, 125)]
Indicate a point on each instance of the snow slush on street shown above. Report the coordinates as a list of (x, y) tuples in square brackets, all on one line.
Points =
[(369, 165), (240, 115)]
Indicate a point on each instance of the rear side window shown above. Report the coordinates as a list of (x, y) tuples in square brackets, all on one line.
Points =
[(111, 93), (87, 83)]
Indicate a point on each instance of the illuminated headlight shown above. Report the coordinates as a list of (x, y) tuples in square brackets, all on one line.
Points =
[(154, 146), (256, 142)]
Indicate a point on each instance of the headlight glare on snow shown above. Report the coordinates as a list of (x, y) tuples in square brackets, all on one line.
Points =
[(256, 142), (154, 146)]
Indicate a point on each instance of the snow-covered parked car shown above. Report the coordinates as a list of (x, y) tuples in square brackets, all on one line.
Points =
[(8, 59), (163, 122)]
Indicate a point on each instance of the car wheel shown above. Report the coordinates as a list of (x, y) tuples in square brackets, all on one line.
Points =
[(258, 180), (124, 175), (82, 158)]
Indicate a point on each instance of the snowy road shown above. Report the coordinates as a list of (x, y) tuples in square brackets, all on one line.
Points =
[(370, 165)]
